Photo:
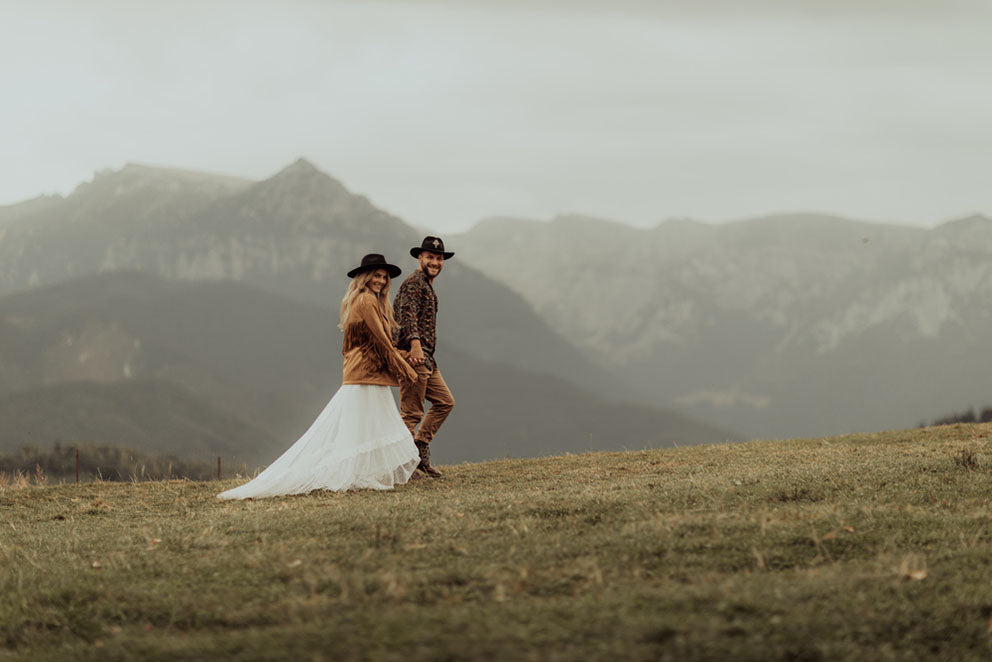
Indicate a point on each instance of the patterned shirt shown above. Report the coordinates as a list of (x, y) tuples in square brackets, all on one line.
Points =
[(415, 308)]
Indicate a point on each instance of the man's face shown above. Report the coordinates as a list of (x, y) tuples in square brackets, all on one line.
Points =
[(431, 263)]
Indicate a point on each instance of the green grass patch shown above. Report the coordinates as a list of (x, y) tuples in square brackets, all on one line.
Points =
[(865, 547)]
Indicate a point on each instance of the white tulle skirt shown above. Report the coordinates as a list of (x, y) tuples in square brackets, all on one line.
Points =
[(358, 441)]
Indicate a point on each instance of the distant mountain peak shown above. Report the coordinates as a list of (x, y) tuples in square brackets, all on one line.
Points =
[(302, 180), (299, 167), (300, 171)]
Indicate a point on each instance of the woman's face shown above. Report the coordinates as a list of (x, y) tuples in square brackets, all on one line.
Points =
[(378, 280)]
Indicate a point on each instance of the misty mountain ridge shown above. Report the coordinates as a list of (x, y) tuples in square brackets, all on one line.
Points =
[(754, 321), (765, 265)]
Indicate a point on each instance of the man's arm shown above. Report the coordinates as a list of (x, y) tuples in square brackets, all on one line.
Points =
[(408, 301)]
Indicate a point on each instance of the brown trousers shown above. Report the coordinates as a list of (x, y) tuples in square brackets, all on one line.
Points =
[(430, 386)]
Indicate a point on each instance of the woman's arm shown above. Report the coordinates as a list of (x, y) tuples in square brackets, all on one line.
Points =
[(366, 308)]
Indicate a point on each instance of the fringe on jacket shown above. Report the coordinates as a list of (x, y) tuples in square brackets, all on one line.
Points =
[(375, 358)]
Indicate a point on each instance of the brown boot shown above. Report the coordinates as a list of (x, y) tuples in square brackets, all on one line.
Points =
[(425, 460)]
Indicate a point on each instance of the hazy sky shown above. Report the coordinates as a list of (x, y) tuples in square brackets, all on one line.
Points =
[(447, 112)]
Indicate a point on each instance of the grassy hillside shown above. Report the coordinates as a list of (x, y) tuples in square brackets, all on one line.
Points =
[(872, 547)]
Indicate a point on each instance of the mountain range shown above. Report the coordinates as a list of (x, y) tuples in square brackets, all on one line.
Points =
[(294, 234), (197, 313), (782, 326)]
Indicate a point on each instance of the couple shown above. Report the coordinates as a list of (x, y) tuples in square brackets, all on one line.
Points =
[(360, 440)]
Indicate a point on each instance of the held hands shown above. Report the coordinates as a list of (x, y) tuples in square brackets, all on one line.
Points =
[(416, 353), (407, 374)]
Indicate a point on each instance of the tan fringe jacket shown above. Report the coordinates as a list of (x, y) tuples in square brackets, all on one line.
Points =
[(369, 354)]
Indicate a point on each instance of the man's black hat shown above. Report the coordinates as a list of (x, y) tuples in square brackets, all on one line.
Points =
[(374, 261), (431, 245)]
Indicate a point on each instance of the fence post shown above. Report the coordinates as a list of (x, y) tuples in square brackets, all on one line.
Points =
[(218, 467), (77, 466)]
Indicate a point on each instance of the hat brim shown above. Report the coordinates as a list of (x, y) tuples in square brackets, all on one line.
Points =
[(391, 269), (417, 250)]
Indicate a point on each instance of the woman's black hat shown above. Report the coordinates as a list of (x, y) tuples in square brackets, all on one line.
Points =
[(374, 261), (432, 245)]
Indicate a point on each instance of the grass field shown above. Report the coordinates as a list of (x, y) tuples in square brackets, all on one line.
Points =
[(869, 547)]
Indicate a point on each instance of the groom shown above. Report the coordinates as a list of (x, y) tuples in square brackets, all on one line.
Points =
[(416, 314)]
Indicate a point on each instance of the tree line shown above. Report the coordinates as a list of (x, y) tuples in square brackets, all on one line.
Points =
[(966, 416), (100, 462)]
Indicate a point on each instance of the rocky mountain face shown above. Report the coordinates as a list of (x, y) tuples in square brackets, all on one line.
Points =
[(793, 325)]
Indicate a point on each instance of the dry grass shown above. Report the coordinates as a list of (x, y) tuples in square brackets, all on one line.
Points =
[(872, 547)]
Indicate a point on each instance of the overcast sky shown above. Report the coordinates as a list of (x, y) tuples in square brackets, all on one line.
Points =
[(444, 113)]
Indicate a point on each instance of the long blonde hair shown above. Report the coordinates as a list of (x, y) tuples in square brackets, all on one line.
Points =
[(358, 285)]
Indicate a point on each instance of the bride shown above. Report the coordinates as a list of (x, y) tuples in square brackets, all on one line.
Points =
[(359, 440)]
